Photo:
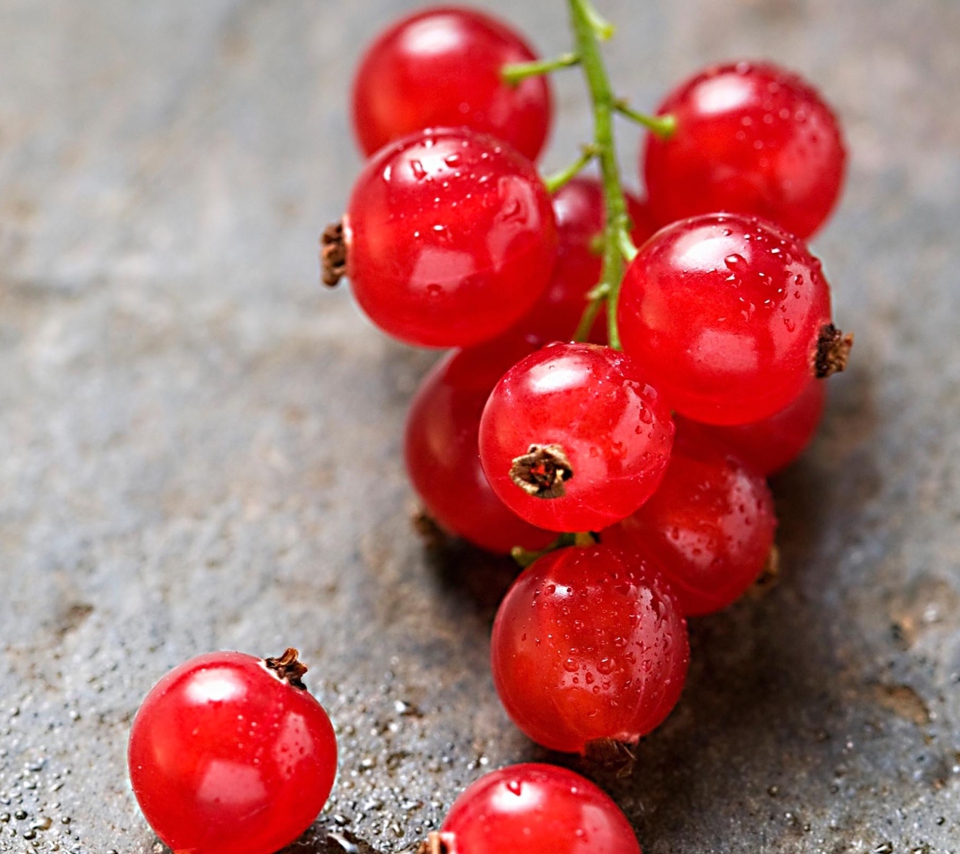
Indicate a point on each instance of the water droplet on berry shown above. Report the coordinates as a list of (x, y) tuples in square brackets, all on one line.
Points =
[(418, 171), (515, 786)]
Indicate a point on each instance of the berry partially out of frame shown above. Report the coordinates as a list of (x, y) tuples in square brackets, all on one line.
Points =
[(589, 645), (730, 317), (536, 809), (449, 238), (440, 447), (573, 438), (443, 68), (749, 138), (710, 524), (230, 754)]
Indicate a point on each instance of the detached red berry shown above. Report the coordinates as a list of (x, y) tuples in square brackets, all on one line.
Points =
[(229, 754), (536, 809)]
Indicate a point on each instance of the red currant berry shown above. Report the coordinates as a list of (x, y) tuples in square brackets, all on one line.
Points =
[(229, 754), (711, 524), (573, 438), (773, 443), (581, 215), (450, 238), (749, 138), (537, 809), (589, 646), (442, 68), (441, 447), (730, 315)]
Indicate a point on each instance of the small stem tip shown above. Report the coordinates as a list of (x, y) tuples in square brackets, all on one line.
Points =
[(516, 72), (613, 754), (433, 844), (542, 471), (833, 351), (333, 254), (288, 668)]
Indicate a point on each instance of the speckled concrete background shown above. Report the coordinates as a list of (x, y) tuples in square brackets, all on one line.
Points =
[(199, 448)]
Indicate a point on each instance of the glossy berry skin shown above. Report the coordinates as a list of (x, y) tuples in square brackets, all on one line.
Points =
[(537, 809), (579, 210), (710, 524), (441, 68), (595, 405), (724, 311), (589, 644), (440, 447), (226, 758), (749, 138), (773, 443), (450, 238)]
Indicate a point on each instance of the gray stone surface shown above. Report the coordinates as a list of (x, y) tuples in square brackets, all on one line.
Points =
[(199, 449)]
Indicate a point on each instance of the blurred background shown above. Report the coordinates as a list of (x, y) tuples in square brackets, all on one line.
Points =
[(199, 448)]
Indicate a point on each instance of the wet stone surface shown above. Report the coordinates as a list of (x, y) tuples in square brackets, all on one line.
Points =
[(199, 448)]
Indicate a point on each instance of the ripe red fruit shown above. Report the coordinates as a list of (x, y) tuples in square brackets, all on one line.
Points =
[(450, 238), (440, 447), (589, 645), (537, 809), (749, 138), (773, 443), (573, 438), (730, 316), (580, 213), (710, 524), (229, 754), (442, 68)]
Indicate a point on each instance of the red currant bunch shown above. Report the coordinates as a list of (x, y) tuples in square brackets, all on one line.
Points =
[(592, 326)]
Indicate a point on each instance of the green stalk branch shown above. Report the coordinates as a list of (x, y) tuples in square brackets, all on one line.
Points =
[(523, 557), (515, 73), (555, 181), (588, 28), (662, 126)]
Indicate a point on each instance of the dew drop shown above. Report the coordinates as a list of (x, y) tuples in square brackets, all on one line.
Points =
[(417, 168), (515, 786)]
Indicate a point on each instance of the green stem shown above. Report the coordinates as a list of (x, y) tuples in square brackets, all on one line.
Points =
[(555, 181), (616, 235), (601, 27), (516, 72), (662, 126), (524, 558)]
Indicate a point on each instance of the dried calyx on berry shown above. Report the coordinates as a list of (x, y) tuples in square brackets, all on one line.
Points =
[(542, 471), (833, 351), (333, 254), (287, 667)]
